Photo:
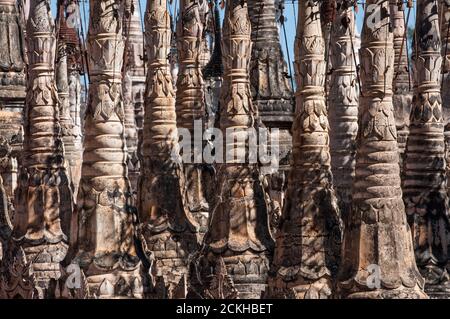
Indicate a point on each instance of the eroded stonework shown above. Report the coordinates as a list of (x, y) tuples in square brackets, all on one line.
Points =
[(43, 199), (235, 256), (376, 232), (103, 235), (343, 104), (272, 93), (169, 232), (424, 183), (308, 242)]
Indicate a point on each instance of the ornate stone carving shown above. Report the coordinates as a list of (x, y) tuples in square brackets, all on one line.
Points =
[(134, 87), (424, 183), (105, 241), (43, 199), (343, 103), (12, 89), (444, 11), (65, 47), (239, 231), (168, 229), (377, 236), (12, 64), (213, 70), (17, 278), (402, 87), (190, 103), (205, 17), (69, 67), (271, 89), (308, 241)]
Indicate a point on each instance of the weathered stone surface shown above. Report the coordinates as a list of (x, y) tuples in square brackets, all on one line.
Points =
[(190, 103), (168, 230), (444, 21), (377, 236), (402, 83), (134, 87), (43, 199), (12, 91), (424, 183), (343, 104), (239, 237), (104, 239), (307, 243), (67, 51), (272, 91), (213, 70)]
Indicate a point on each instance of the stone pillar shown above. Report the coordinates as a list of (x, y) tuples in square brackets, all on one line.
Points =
[(43, 199), (168, 231), (444, 13), (105, 247), (377, 237), (190, 105), (65, 45), (308, 241), (213, 70), (134, 96), (238, 245), (70, 53), (12, 92), (402, 84), (343, 104), (272, 92), (424, 183)]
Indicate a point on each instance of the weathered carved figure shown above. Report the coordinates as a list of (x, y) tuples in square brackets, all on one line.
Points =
[(377, 238), (308, 241), (43, 199), (105, 240), (343, 104), (424, 183)]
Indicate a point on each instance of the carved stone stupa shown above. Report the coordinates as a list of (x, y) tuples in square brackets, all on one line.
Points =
[(167, 231), (190, 105), (308, 241), (424, 184), (343, 104), (12, 92), (105, 247), (238, 245), (43, 199), (271, 89), (402, 84), (377, 238), (67, 47), (134, 86)]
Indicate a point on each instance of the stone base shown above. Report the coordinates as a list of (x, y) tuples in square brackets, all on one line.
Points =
[(249, 274), (438, 291), (300, 289), (118, 284), (399, 293)]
